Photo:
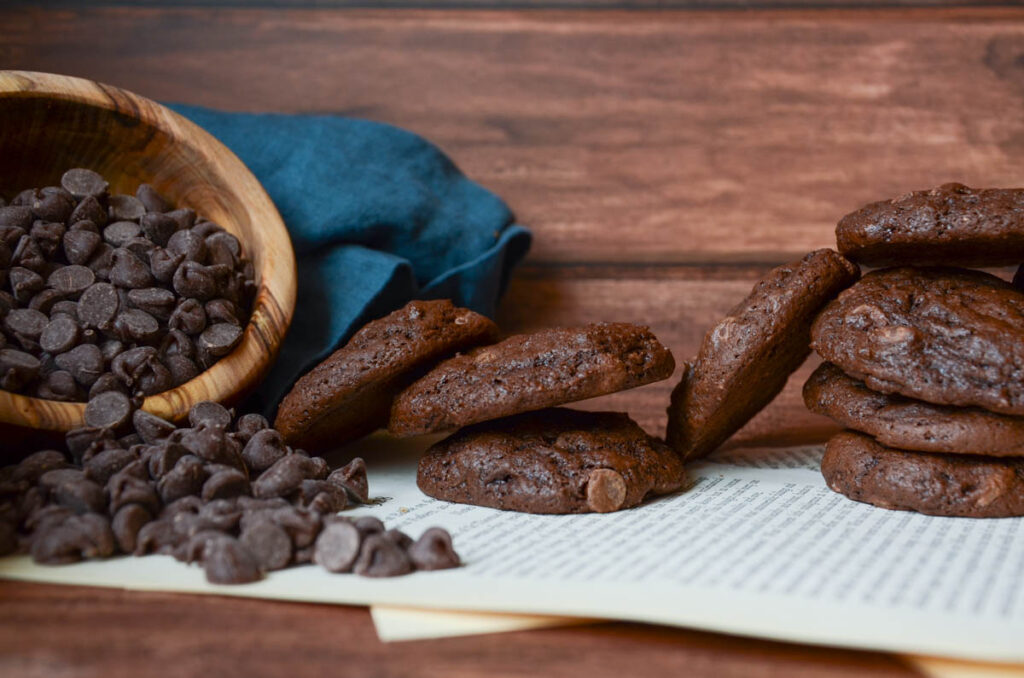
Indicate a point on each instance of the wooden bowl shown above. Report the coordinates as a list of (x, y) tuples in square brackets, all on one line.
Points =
[(50, 123)]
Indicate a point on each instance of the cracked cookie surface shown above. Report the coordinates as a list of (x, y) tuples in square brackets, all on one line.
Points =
[(551, 461)]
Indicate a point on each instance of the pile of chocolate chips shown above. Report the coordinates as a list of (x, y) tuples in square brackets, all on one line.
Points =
[(102, 292), (224, 492)]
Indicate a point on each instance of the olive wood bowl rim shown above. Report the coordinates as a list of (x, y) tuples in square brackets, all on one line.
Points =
[(235, 374)]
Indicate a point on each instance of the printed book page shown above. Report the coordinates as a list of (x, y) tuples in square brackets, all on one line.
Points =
[(757, 545)]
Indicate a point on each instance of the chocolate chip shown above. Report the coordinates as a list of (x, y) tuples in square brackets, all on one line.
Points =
[(16, 216), (25, 283), (83, 183), (399, 538), (285, 476), (163, 456), (434, 551), (352, 478), (53, 206), (102, 466), (108, 410), (269, 544), (128, 270), (98, 306), (368, 525), (127, 524), (337, 547), (189, 245), (72, 280), (125, 488), (224, 484), (119, 233), (107, 382), (189, 317), (47, 235), (187, 477), (66, 308), (156, 301), (164, 263), (194, 280), (208, 414), (222, 311), (380, 557), (265, 448), (218, 340), (89, 209), (17, 369), (84, 362), (181, 369), (227, 561), (26, 322), (44, 300), (59, 385), (152, 428), (157, 536), (59, 335), (125, 207), (134, 325), (151, 199)]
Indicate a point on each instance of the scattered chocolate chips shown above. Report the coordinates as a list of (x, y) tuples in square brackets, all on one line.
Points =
[(142, 485), (81, 266)]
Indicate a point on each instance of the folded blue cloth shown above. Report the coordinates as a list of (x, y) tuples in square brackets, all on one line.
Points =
[(377, 216)]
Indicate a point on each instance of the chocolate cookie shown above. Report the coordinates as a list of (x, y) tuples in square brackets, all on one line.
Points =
[(349, 394), (936, 484), (551, 461), (745, 359), (530, 372), (912, 424), (942, 335), (948, 225)]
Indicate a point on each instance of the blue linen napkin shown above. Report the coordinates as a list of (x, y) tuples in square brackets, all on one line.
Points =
[(377, 216)]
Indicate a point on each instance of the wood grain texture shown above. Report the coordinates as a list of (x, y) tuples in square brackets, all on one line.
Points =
[(46, 631), (53, 123), (617, 136)]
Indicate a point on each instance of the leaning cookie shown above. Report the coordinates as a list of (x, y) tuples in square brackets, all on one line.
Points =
[(936, 484), (746, 359), (551, 461), (530, 372), (909, 424), (949, 225), (943, 335), (349, 394)]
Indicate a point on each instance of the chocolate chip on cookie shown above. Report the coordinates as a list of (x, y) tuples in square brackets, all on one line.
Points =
[(551, 461), (942, 335), (910, 424), (530, 372), (349, 394), (948, 225), (746, 358), (936, 484)]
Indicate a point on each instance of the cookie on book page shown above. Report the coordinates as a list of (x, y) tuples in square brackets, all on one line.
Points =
[(551, 461), (897, 421), (942, 335), (349, 394), (530, 372), (857, 466), (745, 360), (951, 225)]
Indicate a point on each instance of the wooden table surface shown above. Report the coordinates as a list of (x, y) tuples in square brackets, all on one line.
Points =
[(664, 159)]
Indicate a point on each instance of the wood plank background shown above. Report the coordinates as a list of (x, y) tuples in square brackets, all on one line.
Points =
[(664, 159)]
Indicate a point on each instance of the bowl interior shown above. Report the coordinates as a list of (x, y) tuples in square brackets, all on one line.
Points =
[(51, 123), (42, 137)]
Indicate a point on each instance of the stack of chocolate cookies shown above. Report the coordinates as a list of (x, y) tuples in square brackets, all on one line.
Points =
[(433, 368), (925, 358)]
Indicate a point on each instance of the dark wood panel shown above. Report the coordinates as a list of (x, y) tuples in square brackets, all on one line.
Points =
[(48, 631), (527, 4), (618, 136)]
